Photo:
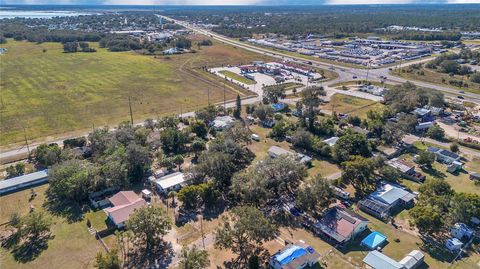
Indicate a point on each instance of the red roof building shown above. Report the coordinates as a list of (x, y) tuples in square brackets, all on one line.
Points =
[(124, 203)]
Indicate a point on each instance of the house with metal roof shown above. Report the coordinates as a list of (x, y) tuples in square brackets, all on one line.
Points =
[(413, 259), (171, 182), (275, 151), (386, 199), (377, 260), (341, 224), (444, 156), (24, 181), (223, 123), (295, 256), (407, 169)]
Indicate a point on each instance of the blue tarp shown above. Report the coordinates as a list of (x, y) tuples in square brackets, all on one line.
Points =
[(290, 254), (278, 107), (374, 240)]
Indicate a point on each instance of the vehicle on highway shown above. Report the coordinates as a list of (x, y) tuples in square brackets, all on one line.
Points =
[(460, 97), (462, 91), (354, 77)]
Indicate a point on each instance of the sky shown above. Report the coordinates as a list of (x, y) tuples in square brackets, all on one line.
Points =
[(226, 2)]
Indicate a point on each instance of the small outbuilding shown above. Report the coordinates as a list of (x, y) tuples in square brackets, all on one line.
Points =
[(24, 181), (374, 240), (453, 244)]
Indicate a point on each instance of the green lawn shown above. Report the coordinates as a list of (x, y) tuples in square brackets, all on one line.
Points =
[(72, 245), (51, 93), (351, 105), (237, 77), (460, 182)]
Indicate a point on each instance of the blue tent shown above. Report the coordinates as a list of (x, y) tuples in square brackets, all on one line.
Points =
[(373, 240)]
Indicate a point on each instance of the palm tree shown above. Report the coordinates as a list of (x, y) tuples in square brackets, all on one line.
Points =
[(194, 258), (172, 195)]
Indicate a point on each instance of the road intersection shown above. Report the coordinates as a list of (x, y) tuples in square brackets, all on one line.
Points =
[(345, 74)]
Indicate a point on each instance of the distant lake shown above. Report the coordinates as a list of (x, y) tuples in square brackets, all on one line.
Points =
[(10, 14)]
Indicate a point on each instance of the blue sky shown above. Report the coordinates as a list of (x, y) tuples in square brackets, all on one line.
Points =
[(227, 2)]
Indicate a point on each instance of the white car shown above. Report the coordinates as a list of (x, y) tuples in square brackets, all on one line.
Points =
[(255, 137)]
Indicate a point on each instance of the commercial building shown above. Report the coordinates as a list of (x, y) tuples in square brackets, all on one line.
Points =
[(22, 182)]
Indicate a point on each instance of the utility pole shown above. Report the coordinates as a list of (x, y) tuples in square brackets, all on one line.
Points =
[(131, 114), (224, 99), (201, 229), (26, 141), (208, 96)]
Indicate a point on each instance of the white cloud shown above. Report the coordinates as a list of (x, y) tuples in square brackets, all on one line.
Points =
[(182, 2), (372, 2)]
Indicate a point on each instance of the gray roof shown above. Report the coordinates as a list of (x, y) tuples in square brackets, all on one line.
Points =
[(390, 193), (401, 165), (23, 180), (378, 260), (279, 151)]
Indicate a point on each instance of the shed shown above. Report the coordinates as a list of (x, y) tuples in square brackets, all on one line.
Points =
[(331, 141), (475, 176), (374, 240), (453, 244)]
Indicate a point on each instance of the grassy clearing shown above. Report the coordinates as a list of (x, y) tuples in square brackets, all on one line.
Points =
[(72, 245), (53, 93), (433, 77), (351, 105), (460, 182), (237, 77), (319, 166)]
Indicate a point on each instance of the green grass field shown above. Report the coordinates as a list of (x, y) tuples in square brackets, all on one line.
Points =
[(434, 77), (72, 246), (52, 94), (237, 77), (351, 105)]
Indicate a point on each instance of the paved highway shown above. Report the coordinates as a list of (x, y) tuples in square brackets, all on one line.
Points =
[(345, 73)]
